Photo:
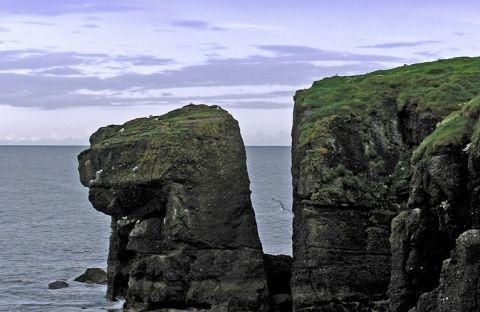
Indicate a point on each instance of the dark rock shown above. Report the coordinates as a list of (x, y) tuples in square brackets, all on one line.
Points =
[(93, 276), (279, 273), (414, 126), (184, 234), (282, 303), (353, 171), (459, 287), (443, 203), (58, 285), (342, 216)]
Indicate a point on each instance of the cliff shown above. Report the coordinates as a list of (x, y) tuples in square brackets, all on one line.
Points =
[(363, 152), (386, 181), (184, 233), (443, 204)]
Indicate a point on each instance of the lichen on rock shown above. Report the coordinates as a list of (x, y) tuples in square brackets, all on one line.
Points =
[(183, 229), (353, 171), (444, 203)]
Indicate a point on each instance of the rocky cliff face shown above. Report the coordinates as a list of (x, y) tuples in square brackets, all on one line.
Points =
[(184, 234), (444, 202), (386, 177), (353, 171)]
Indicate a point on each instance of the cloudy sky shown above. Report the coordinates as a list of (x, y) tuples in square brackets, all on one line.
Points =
[(68, 67)]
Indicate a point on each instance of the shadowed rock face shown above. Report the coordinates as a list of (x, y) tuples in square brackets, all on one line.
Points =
[(342, 213), (183, 229), (279, 273), (353, 172), (459, 288), (444, 203)]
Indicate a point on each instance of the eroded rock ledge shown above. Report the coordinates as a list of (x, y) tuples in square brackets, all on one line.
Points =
[(184, 234), (366, 148)]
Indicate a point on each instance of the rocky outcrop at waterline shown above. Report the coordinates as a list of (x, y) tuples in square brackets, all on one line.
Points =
[(58, 285), (184, 234), (93, 276)]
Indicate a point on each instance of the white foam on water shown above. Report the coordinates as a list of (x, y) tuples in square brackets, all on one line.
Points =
[(117, 305)]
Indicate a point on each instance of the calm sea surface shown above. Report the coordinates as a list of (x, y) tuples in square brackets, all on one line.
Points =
[(49, 231)]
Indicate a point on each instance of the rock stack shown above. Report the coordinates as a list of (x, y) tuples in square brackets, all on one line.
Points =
[(184, 234)]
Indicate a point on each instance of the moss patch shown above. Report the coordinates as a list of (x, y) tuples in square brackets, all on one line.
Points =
[(189, 120), (455, 131), (436, 87)]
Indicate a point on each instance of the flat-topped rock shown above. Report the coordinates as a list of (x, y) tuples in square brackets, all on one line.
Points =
[(184, 234)]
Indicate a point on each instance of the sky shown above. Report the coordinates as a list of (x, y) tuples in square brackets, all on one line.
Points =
[(68, 67)]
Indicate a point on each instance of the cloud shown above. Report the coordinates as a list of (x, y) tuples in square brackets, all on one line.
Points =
[(61, 71), (303, 53), (36, 59), (246, 26), (32, 59), (289, 66), (257, 104), (237, 98), (428, 54), (90, 26), (37, 23), (459, 34), (195, 24), (60, 7), (392, 45), (3, 29), (143, 60)]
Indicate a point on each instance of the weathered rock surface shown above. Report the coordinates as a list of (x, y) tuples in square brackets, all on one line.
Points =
[(444, 202), (184, 233), (401, 145), (58, 285), (353, 139), (459, 287), (93, 276)]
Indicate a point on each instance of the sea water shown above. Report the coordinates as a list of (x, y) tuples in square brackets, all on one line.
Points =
[(49, 231)]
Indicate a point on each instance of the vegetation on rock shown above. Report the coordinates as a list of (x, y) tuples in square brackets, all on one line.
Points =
[(436, 87), (458, 129), (364, 149)]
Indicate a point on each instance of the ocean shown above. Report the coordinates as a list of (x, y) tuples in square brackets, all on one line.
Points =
[(49, 231)]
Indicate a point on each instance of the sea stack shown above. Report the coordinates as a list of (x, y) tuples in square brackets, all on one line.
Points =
[(184, 234)]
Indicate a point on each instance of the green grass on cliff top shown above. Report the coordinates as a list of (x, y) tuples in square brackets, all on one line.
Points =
[(456, 130), (436, 87), (183, 121)]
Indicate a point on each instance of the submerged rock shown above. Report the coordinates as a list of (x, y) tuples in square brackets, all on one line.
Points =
[(93, 276), (184, 234), (58, 285)]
